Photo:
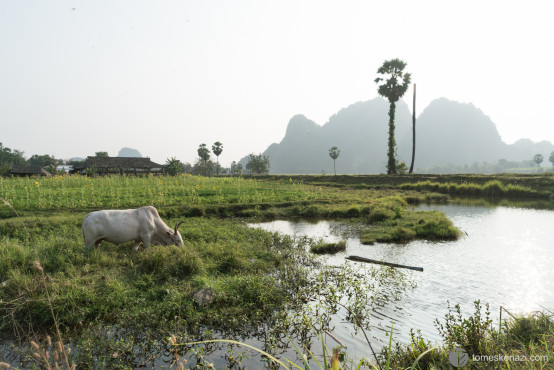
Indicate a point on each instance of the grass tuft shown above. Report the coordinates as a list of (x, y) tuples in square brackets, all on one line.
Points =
[(328, 248)]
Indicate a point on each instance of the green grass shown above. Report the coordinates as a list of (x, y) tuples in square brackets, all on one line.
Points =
[(328, 248), (540, 185), (109, 300), (109, 283), (390, 222), (493, 188), (78, 193)]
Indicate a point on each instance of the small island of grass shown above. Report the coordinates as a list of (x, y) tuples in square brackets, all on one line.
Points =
[(328, 248)]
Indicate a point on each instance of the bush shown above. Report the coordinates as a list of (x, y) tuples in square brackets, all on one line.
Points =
[(469, 334)]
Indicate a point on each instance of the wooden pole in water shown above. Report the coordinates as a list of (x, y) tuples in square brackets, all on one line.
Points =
[(367, 260)]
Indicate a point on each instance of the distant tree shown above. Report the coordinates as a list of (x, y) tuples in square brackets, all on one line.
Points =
[(204, 154), (46, 161), (173, 166), (217, 149), (394, 87), (551, 159), (334, 153), (101, 154), (9, 157), (401, 167), (538, 158), (202, 167), (187, 167), (258, 164), (236, 168)]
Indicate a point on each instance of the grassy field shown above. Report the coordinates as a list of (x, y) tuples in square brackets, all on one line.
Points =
[(535, 185), (117, 309)]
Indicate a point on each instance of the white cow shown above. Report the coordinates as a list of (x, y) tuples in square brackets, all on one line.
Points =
[(119, 226)]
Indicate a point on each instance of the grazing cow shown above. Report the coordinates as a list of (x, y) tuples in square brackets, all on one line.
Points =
[(119, 226)]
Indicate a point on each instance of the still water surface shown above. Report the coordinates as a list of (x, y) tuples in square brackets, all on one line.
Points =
[(506, 259)]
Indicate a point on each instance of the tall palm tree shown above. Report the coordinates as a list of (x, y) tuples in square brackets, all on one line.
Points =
[(217, 148), (394, 87), (334, 153)]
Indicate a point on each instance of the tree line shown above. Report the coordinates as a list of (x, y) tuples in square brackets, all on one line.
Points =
[(257, 163), (13, 157)]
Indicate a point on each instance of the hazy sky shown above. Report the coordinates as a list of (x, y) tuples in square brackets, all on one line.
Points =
[(164, 76)]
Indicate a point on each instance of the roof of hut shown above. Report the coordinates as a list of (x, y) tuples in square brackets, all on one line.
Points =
[(29, 170), (117, 162)]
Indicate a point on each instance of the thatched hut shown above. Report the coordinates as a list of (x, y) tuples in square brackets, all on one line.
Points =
[(22, 171), (120, 165)]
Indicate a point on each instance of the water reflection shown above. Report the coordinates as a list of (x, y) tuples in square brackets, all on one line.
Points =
[(505, 259)]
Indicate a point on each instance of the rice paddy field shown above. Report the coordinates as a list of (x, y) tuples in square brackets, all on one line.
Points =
[(109, 307)]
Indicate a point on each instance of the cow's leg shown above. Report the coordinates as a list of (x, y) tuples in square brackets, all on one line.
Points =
[(136, 245), (146, 242)]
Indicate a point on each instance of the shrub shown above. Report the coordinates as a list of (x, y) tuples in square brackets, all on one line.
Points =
[(469, 334)]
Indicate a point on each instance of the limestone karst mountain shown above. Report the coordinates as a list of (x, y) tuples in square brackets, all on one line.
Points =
[(448, 132), (128, 152)]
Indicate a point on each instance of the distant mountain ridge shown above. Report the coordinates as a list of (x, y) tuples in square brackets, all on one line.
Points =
[(447, 132)]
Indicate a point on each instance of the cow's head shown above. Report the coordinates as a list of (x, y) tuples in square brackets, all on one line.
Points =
[(175, 235)]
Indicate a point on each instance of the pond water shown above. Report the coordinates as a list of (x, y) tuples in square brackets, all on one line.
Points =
[(505, 258)]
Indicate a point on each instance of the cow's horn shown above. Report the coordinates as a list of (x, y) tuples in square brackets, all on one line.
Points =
[(177, 225)]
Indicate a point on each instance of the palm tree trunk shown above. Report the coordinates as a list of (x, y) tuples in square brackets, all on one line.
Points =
[(413, 133), (334, 168), (391, 166)]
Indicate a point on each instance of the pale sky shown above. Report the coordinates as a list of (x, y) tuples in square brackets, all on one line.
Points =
[(162, 77)]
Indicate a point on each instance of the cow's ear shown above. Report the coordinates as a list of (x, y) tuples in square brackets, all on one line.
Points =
[(169, 232)]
